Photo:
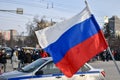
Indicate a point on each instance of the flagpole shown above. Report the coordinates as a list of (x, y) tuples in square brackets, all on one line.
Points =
[(86, 3), (113, 60), (87, 6)]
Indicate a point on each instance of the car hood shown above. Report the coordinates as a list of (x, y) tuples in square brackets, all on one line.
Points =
[(97, 69), (13, 74)]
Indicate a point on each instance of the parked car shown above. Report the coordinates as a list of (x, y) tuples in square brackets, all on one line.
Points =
[(8, 52), (44, 69)]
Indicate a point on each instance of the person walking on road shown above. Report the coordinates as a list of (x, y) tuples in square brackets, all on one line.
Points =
[(28, 57), (1, 65), (43, 54), (3, 59), (21, 57), (15, 60), (11, 54)]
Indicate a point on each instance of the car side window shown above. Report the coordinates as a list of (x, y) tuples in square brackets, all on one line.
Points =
[(84, 68), (50, 68)]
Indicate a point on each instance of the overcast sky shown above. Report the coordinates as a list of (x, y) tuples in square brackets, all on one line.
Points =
[(55, 9)]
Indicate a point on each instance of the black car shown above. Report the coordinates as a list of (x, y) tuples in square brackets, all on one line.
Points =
[(8, 52)]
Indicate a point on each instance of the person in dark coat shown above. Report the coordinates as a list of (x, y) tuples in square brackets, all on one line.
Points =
[(35, 55), (21, 57), (1, 65), (11, 54), (28, 57), (3, 59)]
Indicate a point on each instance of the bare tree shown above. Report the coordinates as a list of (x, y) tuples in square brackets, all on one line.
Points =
[(37, 24)]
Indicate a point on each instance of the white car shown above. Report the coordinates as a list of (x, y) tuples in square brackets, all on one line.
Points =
[(45, 69)]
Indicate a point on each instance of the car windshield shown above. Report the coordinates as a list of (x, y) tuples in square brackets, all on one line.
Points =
[(33, 66), (8, 49)]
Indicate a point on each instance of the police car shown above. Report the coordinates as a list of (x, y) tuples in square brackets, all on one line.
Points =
[(45, 69)]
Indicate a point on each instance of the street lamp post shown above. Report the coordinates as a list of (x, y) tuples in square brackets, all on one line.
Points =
[(17, 11)]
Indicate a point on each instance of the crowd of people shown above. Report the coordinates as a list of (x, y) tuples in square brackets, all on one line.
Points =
[(105, 55), (21, 57)]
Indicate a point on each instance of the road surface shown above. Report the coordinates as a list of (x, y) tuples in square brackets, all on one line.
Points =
[(110, 69)]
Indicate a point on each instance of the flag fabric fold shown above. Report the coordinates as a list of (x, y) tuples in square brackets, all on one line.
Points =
[(73, 42)]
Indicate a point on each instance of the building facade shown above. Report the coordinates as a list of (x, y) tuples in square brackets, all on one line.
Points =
[(7, 35), (114, 24)]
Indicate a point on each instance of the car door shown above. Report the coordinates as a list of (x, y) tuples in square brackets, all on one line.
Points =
[(82, 74), (49, 72)]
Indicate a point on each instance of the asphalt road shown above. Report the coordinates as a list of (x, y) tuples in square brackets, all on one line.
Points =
[(109, 67)]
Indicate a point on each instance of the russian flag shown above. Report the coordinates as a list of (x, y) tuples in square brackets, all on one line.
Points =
[(73, 42)]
